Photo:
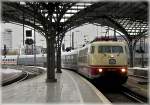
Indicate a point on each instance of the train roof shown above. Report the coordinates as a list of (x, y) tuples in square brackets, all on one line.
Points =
[(118, 43), (70, 52), (108, 43)]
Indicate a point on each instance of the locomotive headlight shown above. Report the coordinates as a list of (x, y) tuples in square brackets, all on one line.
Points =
[(112, 56), (123, 70), (100, 70)]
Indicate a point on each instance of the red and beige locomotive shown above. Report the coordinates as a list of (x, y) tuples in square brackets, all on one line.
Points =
[(98, 59)]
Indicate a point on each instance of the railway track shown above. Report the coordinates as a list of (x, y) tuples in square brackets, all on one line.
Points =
[(31, 70), (118, 94), (137, 76), (22, 77), (122, 95), (133, 95), (28, 72), (139, 79)]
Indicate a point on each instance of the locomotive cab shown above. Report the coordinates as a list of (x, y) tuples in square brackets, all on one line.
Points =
[(108, 57), (99, 59)]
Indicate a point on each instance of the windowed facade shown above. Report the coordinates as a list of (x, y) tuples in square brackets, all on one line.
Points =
[(83, 55), (70, 59)]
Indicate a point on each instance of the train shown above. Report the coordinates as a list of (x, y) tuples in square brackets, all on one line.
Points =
[(99, 59), (95, 60)]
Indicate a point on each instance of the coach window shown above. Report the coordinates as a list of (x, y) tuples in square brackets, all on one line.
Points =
[(92, 49)]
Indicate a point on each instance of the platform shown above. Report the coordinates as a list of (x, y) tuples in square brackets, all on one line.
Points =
[(69, 88)]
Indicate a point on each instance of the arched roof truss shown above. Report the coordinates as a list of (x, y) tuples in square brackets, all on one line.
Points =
[(130, 18)]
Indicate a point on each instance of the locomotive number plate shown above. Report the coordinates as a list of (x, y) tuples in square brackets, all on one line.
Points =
[(112, 61)]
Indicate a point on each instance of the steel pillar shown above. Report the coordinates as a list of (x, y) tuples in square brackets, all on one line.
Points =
[(59, 59), (50, 60), (131, 51)]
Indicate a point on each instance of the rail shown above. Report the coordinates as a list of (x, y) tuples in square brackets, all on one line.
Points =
[(16, 80), (134, 96)]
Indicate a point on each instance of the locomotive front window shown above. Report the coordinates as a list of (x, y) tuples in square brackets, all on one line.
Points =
[(117, 49), (104, 49), (110, 49)]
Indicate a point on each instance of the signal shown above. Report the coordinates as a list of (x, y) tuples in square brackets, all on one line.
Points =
[(28, 33), (29, 41)]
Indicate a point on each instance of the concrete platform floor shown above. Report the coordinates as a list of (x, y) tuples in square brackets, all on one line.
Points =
[(69, 88)]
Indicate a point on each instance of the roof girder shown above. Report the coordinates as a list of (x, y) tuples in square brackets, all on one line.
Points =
[(89, 14)]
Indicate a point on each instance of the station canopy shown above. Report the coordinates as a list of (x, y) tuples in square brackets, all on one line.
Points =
[(130, 18)]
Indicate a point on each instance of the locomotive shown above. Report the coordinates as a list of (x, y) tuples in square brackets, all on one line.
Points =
[(99, 59)]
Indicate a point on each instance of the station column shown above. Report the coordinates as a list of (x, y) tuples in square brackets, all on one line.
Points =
[(50, 59)]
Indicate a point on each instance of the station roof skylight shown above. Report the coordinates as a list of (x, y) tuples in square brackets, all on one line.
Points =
[(74, 9)]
